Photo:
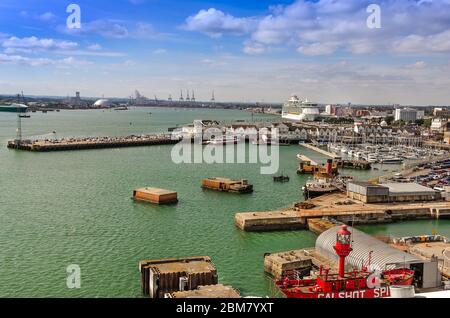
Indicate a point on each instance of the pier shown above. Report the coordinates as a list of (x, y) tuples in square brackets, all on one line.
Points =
[(270, 221), (332, 155), (307, 160), (341, 163), (67, 144), (338, 207)]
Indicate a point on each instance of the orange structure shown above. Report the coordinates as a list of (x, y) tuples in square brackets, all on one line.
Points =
[(155, 195), (227, 185)]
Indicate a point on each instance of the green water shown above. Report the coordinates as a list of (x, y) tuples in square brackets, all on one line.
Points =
[(58, 209)]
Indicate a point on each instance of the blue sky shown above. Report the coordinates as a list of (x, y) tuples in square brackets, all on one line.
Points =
[(244, 50)]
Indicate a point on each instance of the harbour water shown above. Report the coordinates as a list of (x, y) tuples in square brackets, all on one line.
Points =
[(58, 209)]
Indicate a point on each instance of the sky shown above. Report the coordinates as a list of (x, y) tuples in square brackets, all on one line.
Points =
[(329, 51)]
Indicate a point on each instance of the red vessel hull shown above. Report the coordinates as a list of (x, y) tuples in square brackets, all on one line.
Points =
[(381, 292)]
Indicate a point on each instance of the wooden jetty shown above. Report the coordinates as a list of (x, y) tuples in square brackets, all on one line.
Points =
[(341, 163), (67, 144), (166, 276)]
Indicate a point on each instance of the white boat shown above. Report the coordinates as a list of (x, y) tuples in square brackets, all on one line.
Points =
[(391, 160), (372, 158), (225, 140)]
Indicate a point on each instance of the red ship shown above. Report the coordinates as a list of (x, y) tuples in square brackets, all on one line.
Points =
[(355, 284)]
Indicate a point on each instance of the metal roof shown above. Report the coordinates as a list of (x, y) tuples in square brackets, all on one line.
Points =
[(407, 189), (382, 255), (367, 184)]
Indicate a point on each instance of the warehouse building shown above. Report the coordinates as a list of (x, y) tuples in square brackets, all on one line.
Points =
[(390, 192), (406, 192), (367, 192), (382, 256)]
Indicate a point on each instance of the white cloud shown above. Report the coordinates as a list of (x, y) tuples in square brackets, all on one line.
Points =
[(95, 47), (252, 48), (215, 23), (105, 28), (116, 29), (37, 43), (160, 51), (436, 43), (47, 16), (326, 26), (315, 49), (21, 60)]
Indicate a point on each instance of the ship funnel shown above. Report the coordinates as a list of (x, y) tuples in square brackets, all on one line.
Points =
[(329, 166)]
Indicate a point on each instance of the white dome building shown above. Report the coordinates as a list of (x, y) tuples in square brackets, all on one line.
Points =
[(102, 103), (384, 124)]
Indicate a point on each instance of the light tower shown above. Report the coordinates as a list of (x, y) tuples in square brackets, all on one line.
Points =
[(343, 247), (213, 99)]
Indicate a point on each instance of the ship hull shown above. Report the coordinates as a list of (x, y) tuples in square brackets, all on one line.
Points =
[(299, 117), (382, 292), (311, 194), (10, 109)]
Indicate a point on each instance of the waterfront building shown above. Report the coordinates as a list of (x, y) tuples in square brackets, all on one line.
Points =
[(438, 124), (406, 114), (390, 192), (442, 112)]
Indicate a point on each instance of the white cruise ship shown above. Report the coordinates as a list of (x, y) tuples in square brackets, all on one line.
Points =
[(300, 110)]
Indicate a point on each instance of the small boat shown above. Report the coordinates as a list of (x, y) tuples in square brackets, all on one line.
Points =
[(281, 178), (320, 185), (392, 161), (226, 140), (372, 158)]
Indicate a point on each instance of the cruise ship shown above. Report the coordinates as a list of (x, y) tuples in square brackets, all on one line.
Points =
[(14, 108), (300, 110)]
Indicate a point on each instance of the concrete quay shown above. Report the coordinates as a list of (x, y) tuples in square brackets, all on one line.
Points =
[(270, 221), (91, 143), (339, 208)]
